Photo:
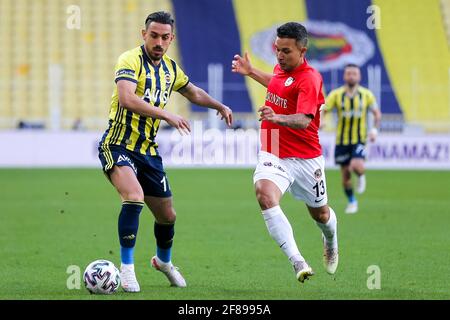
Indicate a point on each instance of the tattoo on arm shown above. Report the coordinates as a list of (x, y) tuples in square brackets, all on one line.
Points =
[(296, 121)]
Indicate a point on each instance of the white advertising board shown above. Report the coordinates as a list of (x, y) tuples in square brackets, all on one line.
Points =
[(211, 148)]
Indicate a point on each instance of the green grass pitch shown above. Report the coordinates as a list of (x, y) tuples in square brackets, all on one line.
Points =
[(54, 218)]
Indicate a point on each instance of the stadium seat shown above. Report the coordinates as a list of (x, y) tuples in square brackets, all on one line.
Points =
[(34, 36)]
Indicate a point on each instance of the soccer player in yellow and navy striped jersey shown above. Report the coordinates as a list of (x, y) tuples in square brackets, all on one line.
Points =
[(145, 78), (353, 104), (154, 84)]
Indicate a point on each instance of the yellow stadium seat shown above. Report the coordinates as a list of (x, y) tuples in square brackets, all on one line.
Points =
[(34, 36)]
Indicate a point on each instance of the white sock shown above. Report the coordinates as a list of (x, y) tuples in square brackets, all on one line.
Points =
[(281, 231), (362, 179), (329, 229)]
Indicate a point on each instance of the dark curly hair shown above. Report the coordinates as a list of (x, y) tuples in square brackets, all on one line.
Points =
[(293, 30), (160, 17)]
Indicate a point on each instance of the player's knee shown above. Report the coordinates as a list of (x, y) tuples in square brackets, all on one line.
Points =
[(357, 167), (322, 214), (136, 195), (347, 177), (169, 216), (347, 183), (265, 200), (346, 174)]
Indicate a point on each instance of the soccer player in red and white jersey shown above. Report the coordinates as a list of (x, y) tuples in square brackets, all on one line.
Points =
[(291, 156)]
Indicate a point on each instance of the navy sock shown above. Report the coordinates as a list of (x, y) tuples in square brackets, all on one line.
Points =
[(349, 194), (128, 228), (164, 238)]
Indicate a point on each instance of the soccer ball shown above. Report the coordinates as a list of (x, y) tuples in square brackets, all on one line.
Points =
[(101, 277)]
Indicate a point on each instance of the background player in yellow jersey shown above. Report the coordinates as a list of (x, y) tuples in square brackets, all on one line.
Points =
[(145, 77), (353, 104)]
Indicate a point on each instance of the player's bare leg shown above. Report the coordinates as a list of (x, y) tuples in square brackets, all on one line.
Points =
[(357, 166), (165, 217), (268, 195), (124, 180), (326, 220), (352, 205)]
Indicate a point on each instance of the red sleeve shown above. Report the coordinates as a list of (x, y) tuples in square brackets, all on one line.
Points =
[(308, 97)]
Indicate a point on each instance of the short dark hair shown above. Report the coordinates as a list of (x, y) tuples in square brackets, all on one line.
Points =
[(160, 17), (293, 30), (351, 65)]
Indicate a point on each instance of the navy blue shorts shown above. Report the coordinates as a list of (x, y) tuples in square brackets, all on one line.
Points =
[(344, 154), (149, 170)]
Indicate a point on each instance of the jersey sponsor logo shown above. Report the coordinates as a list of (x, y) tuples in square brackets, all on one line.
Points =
[(350, 114), (276, 100), (123, 158), (289, 81), (153, 95), (125, 72), (339, 45)]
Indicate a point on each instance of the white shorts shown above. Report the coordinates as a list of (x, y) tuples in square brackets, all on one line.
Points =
[(305, 178)]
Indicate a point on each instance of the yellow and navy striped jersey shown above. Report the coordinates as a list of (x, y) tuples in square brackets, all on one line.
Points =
[(352, 114), (154, 85)]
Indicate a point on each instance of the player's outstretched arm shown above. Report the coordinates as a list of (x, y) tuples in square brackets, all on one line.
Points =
[(295, 121), (242, 65), (130, 101), (198, 96)]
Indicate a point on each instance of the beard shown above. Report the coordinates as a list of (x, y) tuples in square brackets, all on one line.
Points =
[(157, 56), (351, 85), (156, 53)]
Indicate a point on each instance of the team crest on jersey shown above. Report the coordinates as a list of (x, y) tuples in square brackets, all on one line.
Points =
[(168, 78), (318, 174), (289, 81)]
